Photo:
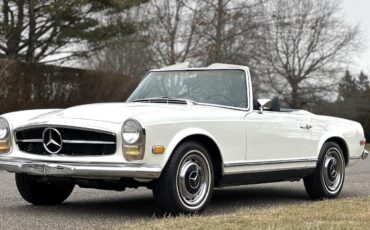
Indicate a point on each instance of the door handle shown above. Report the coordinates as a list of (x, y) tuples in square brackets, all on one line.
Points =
[(306, 126)]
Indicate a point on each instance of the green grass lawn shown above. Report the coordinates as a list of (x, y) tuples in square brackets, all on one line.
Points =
[(329, 214)]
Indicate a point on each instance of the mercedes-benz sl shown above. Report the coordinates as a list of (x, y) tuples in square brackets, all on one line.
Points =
[(182, 133)]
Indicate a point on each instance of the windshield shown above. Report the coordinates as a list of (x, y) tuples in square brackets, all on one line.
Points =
[(220, 87)]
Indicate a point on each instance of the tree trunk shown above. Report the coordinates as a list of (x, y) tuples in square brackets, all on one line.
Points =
[(31, 33), (219, 30), (15, 27), (295, 101)]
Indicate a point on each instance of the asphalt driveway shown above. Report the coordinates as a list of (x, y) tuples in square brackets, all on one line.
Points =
[(105, 209)]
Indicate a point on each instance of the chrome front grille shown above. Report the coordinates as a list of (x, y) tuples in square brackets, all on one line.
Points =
[(65, 141)]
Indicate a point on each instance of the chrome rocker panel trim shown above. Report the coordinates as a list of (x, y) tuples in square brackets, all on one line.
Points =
[(252, 163), (93, 170), (363, 156)]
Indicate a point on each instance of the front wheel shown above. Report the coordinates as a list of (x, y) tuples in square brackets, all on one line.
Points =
[(42, 193), (186, 183), (327, 180)]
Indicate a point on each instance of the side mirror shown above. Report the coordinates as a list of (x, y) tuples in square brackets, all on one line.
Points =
[(264, 104)]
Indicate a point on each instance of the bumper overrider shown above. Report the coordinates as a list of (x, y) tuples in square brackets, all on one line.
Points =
[(94, 170), (364, 155)]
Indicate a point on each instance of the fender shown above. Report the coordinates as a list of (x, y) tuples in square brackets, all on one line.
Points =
[(182, 134), (326, 136), (16, 119)]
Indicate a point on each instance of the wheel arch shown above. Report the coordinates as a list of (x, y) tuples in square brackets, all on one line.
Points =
[(342, 144), (205, 139)]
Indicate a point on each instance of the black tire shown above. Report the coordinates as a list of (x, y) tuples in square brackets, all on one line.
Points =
[(171, 191), (42, 193), (327, 180)]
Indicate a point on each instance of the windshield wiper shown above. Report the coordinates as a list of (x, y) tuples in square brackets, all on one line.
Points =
[(166, 100)]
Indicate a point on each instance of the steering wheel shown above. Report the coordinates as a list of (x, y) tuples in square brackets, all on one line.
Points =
[(228, 99)]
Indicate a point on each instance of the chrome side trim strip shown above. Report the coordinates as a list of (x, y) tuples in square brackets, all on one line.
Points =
[(355, 158), (251, 163), (269, 170)]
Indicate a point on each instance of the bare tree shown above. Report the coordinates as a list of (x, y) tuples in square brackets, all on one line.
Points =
[(196, 31), (175, 32), (130, 55), (168, 34), (305, 45), (230, 30)]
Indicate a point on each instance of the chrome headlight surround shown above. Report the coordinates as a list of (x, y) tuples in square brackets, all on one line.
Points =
[(133, 138), (5, 140)]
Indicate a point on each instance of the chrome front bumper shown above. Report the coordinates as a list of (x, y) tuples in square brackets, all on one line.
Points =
[(93, 170), (364, 155)]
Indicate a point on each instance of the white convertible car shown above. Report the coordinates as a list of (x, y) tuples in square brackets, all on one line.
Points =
[(181, 133)]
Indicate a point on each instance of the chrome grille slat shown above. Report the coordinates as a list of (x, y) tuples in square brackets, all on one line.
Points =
[(89, 142), (71, 142), (31, 141), (75, 141)]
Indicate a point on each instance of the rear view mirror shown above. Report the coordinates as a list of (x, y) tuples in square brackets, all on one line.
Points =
[(264, 104)]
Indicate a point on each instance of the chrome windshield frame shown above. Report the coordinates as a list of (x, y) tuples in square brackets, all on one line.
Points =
[(248, 85)]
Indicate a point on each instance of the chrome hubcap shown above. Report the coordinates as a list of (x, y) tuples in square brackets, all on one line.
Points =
[(333, 170), (193, 179)]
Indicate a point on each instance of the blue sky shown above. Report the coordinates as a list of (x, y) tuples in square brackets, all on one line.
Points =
[(358, 12)]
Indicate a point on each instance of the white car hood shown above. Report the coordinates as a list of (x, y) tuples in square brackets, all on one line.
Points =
[(109, 112)]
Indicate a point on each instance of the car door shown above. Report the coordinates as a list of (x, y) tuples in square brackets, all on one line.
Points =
[(278, 137)]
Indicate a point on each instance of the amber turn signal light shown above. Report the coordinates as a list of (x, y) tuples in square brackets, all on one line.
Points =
[(4, 147), (158, 149)]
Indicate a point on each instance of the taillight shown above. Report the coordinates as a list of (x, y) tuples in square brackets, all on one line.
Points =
[(363, 142)]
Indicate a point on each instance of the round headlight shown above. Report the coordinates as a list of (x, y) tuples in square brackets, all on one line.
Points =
[(131, 132), (4, 128)]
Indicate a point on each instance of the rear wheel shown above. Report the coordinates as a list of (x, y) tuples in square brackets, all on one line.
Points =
[(328, 178), (186, 183), (42, 193)]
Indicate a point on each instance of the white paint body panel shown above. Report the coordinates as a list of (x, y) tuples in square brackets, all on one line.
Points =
[(277, 136)]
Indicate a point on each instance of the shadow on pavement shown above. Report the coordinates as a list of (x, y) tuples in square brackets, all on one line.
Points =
[(141, 205)]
